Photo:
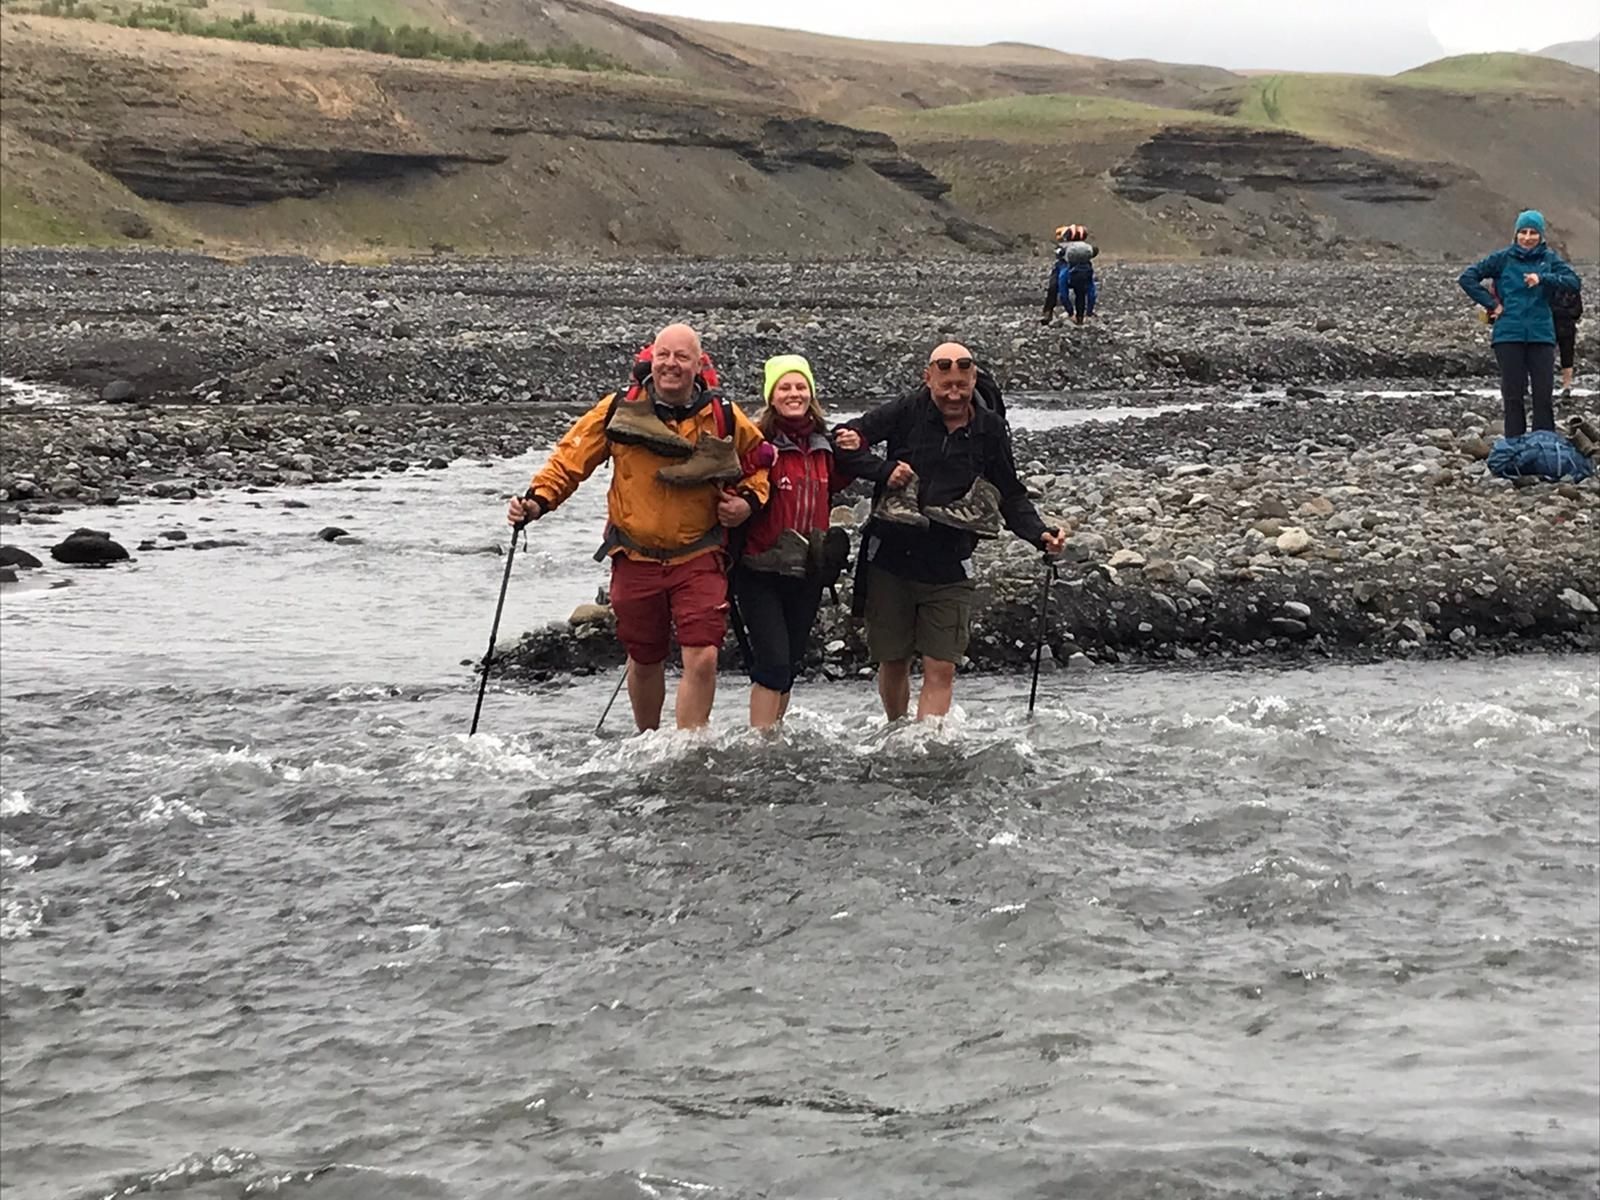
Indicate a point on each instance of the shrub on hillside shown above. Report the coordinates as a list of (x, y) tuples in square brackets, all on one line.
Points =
[(405, 41)]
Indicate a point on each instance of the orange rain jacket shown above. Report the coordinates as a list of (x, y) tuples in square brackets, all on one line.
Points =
[(648, 512)]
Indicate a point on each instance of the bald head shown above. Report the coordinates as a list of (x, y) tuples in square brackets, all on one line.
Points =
[(951, 375), (674, 361)]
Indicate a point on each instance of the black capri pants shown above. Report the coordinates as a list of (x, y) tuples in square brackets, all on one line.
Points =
[(778, 613)]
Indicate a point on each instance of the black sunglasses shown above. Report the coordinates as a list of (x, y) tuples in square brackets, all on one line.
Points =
[(944, 364)]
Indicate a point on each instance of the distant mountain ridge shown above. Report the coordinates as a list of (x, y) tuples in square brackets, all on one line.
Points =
[(1579, 54)]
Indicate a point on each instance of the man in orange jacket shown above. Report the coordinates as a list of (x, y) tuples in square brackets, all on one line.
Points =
[(666, 532)]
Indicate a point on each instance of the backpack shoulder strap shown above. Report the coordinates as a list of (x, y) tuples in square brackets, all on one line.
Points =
[(722, 411)]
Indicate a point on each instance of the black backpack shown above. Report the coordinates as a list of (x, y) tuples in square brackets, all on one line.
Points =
[(987, 390), (1566, 304)]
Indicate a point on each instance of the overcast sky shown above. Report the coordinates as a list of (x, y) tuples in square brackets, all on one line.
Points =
[(1302, 35)]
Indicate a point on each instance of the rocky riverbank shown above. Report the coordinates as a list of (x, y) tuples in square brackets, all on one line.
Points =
[(1294, 511), (109, 455), (1399, 548), (1232, 534), (169, 328)]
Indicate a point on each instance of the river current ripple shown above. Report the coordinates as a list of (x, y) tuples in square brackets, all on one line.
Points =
[(272, 925)]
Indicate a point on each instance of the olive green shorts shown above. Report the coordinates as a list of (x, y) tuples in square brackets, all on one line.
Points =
[(905, 617)]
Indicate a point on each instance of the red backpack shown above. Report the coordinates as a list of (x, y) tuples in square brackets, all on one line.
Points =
[(707, 375), (762, 455)]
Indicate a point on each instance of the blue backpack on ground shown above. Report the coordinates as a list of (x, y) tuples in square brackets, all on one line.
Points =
[(1541, 454)]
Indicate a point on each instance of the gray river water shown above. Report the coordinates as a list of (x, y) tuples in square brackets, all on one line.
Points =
[(274, 926)]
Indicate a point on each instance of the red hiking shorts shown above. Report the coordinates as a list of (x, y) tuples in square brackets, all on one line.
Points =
[(654, 600)]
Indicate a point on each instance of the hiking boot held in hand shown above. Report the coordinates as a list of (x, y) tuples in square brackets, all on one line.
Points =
[(977, 512), (789, 555), (1583, 435), (634, 423), (898, 506), (714, 461)]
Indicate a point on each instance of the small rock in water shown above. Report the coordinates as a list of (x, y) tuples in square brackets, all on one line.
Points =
[(331, 533), (88, 547), (589, 614), (15, 556)]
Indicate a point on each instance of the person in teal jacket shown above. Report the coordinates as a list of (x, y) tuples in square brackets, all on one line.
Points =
[(1524, 275)]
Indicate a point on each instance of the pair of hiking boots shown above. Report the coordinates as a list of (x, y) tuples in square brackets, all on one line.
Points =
[(1585, 435), (823, 554), (709, 460), (978, 512)]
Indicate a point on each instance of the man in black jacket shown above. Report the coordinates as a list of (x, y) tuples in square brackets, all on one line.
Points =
[(947, 461), (1566, 306)]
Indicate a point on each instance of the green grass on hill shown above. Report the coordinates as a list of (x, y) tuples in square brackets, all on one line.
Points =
[(1498, 70), (25, 223), (355, 12), (1338, 108), (1370, 110), (1359, 110), (1028, 118)]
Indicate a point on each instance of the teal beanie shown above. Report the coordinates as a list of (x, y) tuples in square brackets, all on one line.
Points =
[(1531, 219)]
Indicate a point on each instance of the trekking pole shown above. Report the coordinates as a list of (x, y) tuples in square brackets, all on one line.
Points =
[(1038, 648), (494, 630), (741, 635), (615, 692)]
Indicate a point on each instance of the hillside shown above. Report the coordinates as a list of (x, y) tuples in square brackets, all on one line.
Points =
[(728, 138), (1431, 162), (107, 133), (825, 76)]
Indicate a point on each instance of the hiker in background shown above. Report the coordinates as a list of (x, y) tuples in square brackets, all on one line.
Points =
[(948, 478), (1072, 250), (1080, 254), (677, 486), (1057, 289), (790, 552), (1566, 306), (1524, 275)]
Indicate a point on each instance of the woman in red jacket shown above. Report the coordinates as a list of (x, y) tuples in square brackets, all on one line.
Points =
[(779, 580)]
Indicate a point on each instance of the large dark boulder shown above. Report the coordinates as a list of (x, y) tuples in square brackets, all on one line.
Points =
[(15, 556), (88, 547)]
